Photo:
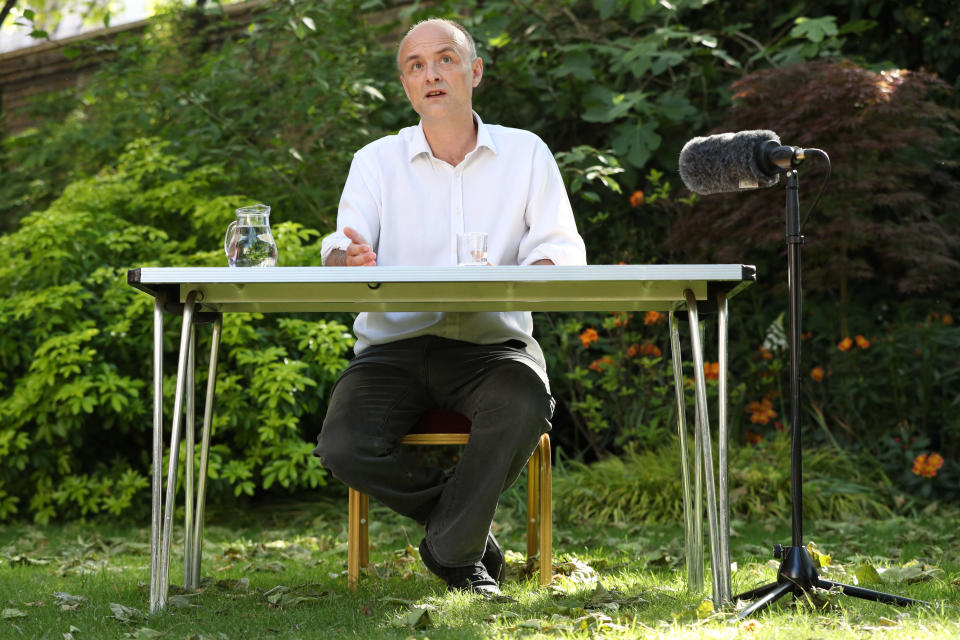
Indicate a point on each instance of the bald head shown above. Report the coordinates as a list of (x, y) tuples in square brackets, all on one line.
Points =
[(456, 31)]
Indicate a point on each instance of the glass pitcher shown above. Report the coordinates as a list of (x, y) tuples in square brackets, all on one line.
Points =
[(249, 242)]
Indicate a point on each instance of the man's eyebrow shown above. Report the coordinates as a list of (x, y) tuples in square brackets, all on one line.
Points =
[(445, 49)]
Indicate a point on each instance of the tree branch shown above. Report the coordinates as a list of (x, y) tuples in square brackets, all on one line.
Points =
[(7, 6)]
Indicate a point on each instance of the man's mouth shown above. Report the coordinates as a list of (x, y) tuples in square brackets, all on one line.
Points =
[(435, 94)]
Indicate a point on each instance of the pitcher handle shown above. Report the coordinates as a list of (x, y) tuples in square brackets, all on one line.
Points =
[(226, 238)]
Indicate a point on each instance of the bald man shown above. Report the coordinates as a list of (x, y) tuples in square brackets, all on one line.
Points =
[(406, 198)]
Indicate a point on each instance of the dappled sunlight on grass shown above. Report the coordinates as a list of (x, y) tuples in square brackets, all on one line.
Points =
[(286, 577)]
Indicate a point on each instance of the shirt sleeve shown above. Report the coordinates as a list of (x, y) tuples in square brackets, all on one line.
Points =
[(551, 228), (360, 207)]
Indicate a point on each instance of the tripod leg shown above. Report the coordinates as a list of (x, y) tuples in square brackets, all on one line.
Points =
[(780, 590), (759, 592), (869, 594)]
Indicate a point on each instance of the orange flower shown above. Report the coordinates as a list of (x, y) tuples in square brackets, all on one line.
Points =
[(588, 337), (754, 438), (633, 350), (765, 353), (598, 365), (845, 344), (648, 349), (636, 198), (711, 370), (817, 373), (862, 342), (947, 319), (622, 317), (927, 465), (762, 412), (653, 317)]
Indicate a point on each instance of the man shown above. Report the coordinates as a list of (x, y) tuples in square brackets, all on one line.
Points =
[(406, 198)]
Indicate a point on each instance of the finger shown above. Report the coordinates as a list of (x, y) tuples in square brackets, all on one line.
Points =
[(354, 249), (365, 259), (354, 235)]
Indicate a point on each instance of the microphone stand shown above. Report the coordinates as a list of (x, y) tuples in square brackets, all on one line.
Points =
[(798, 572)]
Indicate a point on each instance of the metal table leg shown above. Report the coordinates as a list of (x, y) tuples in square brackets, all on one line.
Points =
[(723, 443), (178, 402), (700, 385), (717, 506), (184, 406), (188, 455), (157, 452), (196, 543), (694, 563)]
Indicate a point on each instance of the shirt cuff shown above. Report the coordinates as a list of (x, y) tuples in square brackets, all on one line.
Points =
[(332, 242), (557, 254)]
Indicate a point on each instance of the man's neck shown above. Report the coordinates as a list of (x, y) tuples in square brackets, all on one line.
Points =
[(451, 141)]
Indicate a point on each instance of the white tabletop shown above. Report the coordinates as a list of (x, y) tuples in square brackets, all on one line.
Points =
[(505, 288)]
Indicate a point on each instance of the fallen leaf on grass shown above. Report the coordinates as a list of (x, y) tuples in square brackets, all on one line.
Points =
[(124, 613), (270, 567), (145, 633), (415, 618), (13, 613), (69, 602), (867, 574), (282, 596), (20, 559), (239, 585), (907, 574), (183, 601)]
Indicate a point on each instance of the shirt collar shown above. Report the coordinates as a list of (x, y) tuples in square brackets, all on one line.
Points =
[(419, 145)]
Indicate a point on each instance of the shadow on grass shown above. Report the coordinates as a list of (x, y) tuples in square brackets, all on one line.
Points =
[(278, 571)]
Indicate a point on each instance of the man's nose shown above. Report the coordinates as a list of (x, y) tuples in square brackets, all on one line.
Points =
[(433, 74)]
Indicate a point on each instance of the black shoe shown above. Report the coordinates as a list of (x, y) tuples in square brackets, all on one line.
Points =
[(493, 559), (473, 577)]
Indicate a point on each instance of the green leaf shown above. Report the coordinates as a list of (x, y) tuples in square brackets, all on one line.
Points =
[(124, 613), (416, 618), (637, 141), (867, 574), (577, 63), (815, 29)]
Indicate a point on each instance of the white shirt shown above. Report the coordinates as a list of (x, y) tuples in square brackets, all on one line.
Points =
[(410, 206)]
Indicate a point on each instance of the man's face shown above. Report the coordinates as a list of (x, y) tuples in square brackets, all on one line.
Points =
[(437, 73)]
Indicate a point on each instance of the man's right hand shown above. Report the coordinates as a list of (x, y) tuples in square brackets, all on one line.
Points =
[(358, 254)]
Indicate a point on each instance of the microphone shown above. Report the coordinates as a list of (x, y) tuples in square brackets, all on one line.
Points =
[(736, 161)]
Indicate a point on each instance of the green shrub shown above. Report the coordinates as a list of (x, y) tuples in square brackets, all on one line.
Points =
[(645, 485), (75, 353)]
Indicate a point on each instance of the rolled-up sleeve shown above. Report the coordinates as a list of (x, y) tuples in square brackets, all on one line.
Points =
[(551, 228)]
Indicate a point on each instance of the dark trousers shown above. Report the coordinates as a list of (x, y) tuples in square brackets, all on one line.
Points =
[(387, 389)]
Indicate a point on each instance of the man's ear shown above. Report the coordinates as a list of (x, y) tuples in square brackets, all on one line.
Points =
[(477, 71)]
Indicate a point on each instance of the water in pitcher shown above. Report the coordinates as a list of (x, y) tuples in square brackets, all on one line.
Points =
[(252, 247), (249, 241)]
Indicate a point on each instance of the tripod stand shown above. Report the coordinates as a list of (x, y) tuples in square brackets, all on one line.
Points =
[(798, 572)]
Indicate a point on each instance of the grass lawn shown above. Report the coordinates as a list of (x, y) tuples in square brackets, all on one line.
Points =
[(280, 572)]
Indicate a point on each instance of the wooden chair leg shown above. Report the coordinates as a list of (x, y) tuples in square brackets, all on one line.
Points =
[(364, 530), (546, 512), (533, 503), (353, 538)]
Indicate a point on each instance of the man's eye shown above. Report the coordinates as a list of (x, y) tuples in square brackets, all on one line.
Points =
[(416, 66), (446, 59)]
